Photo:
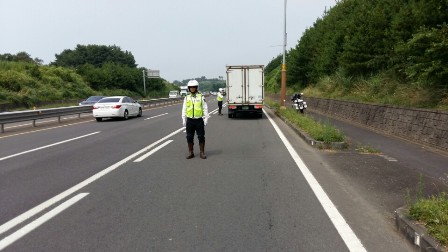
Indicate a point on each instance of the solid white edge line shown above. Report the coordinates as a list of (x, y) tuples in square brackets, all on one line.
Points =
[(351, 240), (153, 151), (39, 221), (28, 214), (47, 146)]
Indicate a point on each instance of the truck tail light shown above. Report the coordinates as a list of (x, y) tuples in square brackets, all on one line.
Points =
[(232, 107), (258, 106)]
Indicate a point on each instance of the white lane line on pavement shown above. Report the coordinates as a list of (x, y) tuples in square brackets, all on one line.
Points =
[(71, 124), (153, 151), (16, 126), (28, 214), (390, 159), (47, 146), (344, 230), (156, 116), (39, 221)]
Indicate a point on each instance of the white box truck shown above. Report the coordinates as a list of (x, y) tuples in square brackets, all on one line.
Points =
[(245, 90), (183, 91), (173, 94)]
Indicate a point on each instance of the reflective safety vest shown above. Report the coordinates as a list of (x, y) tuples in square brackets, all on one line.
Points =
[(194, 106), (219, 97)]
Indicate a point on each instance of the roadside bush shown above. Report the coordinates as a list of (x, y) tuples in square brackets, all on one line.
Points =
[(433, 211), (14, 81)]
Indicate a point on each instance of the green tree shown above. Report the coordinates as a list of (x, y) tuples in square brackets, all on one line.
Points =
[(427, 57), (96, 55), (112, 76), (274, 63)]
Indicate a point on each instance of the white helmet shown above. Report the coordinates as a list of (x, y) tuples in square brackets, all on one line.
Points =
[(193, 83), (220, 89)]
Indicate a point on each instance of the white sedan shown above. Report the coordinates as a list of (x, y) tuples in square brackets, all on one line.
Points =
[(116, 106)]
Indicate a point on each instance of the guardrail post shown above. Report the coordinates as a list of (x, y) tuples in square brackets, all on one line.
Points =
[(59, 119), (3, 128), (34, 122)]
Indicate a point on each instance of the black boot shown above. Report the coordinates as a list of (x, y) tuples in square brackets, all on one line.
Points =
[(202, 153), (190, 151)]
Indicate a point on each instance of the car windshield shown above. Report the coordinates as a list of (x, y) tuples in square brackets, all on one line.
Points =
[(94, 98), (106, 100)]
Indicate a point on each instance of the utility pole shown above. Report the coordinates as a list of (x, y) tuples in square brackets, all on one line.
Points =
[(144, 83), (283, 84)]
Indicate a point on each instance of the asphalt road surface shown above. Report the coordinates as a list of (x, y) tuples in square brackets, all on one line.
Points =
[(126, 186)]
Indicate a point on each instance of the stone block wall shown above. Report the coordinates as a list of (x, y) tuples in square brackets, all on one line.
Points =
[(429, 127)]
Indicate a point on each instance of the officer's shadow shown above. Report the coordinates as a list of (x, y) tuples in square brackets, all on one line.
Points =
[(212, 152)]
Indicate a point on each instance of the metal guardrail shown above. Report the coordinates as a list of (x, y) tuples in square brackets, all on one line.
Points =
[(33, 115)]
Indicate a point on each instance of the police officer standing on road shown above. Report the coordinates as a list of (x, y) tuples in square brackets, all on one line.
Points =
[(194, 118), (219, 98)]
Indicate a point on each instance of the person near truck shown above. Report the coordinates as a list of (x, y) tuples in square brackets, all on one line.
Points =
[(195, 118), (219, 98)]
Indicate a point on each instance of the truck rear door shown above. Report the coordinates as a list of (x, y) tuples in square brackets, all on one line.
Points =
[(254, 85), (235, 81)]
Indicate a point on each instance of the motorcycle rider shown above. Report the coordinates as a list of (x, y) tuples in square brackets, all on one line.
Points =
[(194, 118), (298, 103), (297, 96)]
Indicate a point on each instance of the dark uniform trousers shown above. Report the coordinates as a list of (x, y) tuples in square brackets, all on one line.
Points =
[(219, 106), (195, 125)]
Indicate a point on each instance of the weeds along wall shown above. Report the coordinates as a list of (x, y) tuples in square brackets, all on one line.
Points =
[(429, 127)]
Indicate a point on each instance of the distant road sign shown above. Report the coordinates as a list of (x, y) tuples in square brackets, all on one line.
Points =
[(153, 73)]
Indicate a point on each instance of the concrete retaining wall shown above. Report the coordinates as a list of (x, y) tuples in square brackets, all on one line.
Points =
[(429, 127)]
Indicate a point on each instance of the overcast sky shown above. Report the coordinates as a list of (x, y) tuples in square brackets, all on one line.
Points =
[(181, 38)]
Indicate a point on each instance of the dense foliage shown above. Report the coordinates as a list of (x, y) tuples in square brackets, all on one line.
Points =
[(96, 55), (25, 84), (106, 67), (76, 74), (205, 84), (407, 39), (19, 57)]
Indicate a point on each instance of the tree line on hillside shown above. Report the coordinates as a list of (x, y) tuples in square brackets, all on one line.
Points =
[(106, 67), (205, 84), (20, 57), (408, 39), (75, 74)]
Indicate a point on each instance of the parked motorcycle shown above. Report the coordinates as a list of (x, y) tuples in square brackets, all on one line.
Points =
[(298, 103)]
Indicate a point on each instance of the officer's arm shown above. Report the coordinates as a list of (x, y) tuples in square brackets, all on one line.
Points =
[(184, 107), (204, 107)]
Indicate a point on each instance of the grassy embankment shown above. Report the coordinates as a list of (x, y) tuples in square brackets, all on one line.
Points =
[(323, 132)]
